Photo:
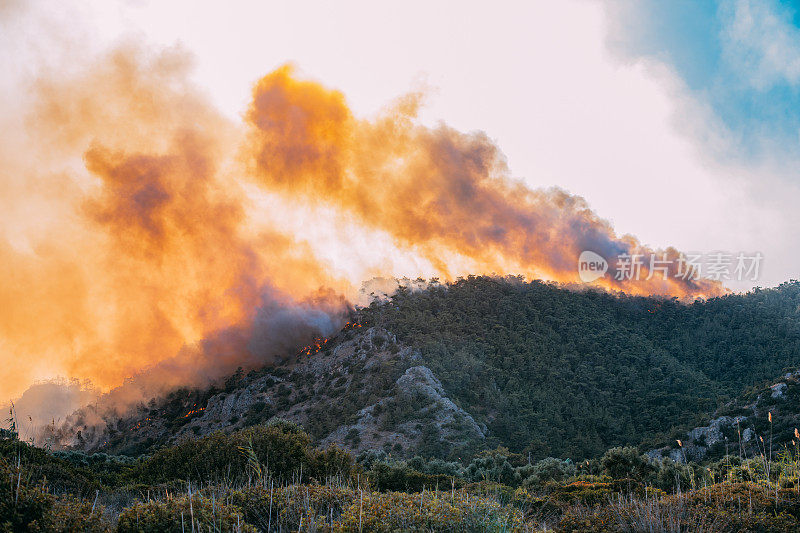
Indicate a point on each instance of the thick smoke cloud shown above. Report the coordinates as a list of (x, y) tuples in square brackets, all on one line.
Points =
[(438, 190), (139, 265), (151, 267), (48, 403)]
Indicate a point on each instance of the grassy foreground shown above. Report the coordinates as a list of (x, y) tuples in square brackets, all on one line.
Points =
[(270, 478)]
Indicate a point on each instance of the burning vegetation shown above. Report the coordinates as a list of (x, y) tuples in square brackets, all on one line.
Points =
[(319, 343), (193, 412), (315, 347)]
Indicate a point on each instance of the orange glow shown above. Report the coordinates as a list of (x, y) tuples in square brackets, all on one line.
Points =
[(194, 412), (437, 190), (315, 347), (152, 260), (142, 259)]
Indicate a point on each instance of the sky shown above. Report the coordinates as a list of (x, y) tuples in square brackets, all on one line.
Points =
[(678, 122)]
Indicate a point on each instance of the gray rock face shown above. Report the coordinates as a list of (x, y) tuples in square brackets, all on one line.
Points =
[(699, 440), (757, 407), (453, 423), (712, 433), (363, 391), (778, 390), (421, 379)]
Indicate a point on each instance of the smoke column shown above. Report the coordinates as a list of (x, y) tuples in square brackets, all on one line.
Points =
[(438, 190), (148, 261), (129, 240)]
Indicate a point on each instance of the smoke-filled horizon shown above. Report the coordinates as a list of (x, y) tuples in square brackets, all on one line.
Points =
[(138, 243)]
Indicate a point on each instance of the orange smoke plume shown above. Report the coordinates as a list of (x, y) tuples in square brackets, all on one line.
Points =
[(137, 253), (151, 266), (438, 190)]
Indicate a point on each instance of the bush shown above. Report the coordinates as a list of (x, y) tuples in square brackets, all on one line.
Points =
[(492, 467), (625, 462), (23, 507), (549, 469), (63, 477), (285, 507), (27, 506), (428, 511), (672, 476), (282, 449), (350, 509), (332, 462), (436, 466), (398, 476), (175, 515), (68, 515)]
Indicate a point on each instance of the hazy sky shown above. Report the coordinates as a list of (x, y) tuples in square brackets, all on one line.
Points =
[(678, 123)]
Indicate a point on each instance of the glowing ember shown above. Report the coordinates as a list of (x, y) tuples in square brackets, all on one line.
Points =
[(320, 342), (315, 347), (140, 424), (351, 325), (194, 412)]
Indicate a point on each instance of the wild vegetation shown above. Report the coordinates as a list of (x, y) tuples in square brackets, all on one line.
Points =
[(571, 394), (539, 369), (556, 372), (270, 478)]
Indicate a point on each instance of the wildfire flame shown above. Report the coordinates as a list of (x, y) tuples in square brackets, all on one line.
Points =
[(315, 347), (194, 412), (140, 424), (320, 342), (351, 325)]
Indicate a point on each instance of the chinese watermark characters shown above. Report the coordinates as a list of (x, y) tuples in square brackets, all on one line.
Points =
[(717, 266)]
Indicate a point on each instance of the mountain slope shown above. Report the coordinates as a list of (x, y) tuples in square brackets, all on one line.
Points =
[(362, 390), (486, 362), (557, 372), (763, 417)]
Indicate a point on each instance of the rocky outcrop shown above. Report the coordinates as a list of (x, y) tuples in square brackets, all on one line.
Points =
[(362, 390), (745, 428), (449, 422)]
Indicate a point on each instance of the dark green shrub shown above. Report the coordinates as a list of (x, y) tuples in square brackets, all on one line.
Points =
[(331, 462), (282, 448), (400, 477), (625, 462), (549, 469), (71, 515), (73, 473), (26, 504), (436, 466), (290, 505), (175, 515), (23, 505), (492, 467)]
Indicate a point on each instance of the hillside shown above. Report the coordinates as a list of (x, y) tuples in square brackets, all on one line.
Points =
[(361, 390), (510, 382), (764, 417), (557, 372), (272, 478), (486, 362), (539, 369)]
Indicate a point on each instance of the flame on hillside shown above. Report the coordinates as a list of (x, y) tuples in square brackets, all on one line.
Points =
[(319, 343)]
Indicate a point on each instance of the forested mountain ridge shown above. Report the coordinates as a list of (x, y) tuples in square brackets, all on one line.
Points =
[(552, 371), (486, 362)]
